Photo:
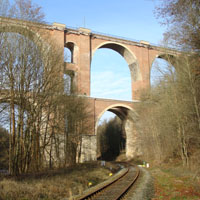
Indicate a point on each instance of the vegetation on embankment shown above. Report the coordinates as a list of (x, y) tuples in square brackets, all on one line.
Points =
[(169, 122), (4, 146), (170, 111), (175, 183), (56, 184)]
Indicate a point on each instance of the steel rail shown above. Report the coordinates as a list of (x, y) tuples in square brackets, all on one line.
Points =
[(125, 191), (114, 189)]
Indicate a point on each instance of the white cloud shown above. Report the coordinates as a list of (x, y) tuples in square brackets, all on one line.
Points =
[(112, 85), (110, 76)]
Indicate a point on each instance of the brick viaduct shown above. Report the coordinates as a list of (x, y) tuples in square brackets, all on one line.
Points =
[(139, 56), (82, 44)]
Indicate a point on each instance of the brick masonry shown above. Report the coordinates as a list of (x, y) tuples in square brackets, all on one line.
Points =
[(83, 44)]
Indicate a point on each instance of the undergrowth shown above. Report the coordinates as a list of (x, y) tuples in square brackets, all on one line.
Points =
[(175, 184), (50, 185)]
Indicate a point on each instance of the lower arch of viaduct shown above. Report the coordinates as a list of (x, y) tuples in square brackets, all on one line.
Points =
[(125, 111)]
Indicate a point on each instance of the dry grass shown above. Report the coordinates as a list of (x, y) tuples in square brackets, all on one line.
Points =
[(175, 184), (53, 185)]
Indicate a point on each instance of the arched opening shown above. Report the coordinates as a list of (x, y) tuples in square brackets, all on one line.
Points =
[(20, 29), (112, 75), (162, 66), (117, 137), (69, 52), (111, 139), (67, 55), (67, 84)]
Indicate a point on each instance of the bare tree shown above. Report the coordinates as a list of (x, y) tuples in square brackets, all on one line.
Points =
[(45, 121), (182, 19), (29, 78), (173, 112), (21, 9), (31, 82)]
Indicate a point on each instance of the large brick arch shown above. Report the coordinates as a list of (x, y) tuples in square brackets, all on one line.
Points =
[(170, 58), (25, 31), (129, 119), (120, 109), (126, 53), (30, 30)]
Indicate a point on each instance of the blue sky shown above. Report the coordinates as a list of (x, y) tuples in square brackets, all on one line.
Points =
[(128, 18), (134, 19)]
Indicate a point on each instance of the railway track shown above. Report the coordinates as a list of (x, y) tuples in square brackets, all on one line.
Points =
[(114, 189)]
